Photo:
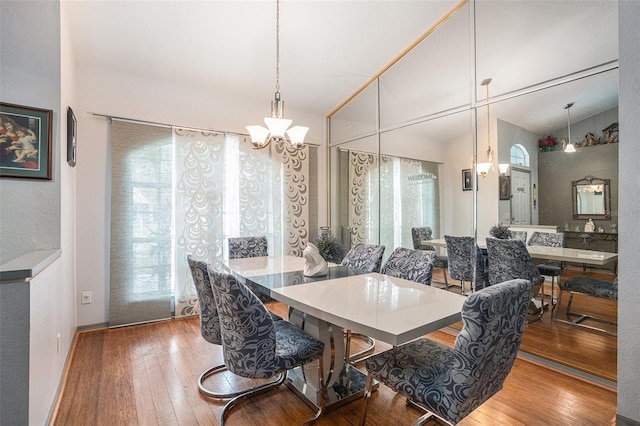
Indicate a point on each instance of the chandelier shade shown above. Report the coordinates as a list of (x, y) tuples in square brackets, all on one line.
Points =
[(569, 146), (277, 129), (483, 168)]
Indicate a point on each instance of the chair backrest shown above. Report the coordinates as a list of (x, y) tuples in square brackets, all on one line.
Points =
[(364, 258), (547, 239), (464, 254), (493, 321), (248, 331), (518, 235), (509, 260), (241, 247), (209, 318), (420, 234), (412, 265)]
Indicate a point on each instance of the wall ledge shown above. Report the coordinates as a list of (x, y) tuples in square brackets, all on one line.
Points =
[(25, 267)]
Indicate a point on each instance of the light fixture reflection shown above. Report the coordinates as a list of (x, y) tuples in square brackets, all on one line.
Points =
[(483, 168)]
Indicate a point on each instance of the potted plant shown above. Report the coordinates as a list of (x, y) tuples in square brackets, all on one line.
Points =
[(330, 248), (500, 231)]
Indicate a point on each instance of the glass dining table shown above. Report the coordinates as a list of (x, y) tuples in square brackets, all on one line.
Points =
[(390, 309)]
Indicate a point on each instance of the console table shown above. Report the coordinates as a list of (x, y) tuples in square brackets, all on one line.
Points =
[(596, 241)]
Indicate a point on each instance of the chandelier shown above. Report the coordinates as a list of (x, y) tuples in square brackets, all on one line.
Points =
[(483, 168), (277, 127), (569, 147)]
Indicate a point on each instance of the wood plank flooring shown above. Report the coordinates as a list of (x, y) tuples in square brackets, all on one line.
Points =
[(147, 375)]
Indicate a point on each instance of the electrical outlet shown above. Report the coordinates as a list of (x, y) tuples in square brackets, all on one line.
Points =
[(86, 297)]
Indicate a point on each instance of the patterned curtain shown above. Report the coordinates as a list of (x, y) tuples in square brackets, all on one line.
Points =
[(225, 188), (363, 197)]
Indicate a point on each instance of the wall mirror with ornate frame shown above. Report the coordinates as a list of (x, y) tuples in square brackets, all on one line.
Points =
[(591, 198)]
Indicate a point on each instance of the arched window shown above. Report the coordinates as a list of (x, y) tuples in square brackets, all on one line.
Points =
[(519, 155)]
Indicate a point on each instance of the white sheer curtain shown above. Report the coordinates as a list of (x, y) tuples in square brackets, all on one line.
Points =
[(225, 188)]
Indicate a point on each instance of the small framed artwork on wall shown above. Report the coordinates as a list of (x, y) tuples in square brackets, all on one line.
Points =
[(505, 188), (467, 180), (72, 132), (25, 142)]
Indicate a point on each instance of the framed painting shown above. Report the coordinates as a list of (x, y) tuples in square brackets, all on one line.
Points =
[(25, 142), (505, 188), (72, 132), (467, 179)]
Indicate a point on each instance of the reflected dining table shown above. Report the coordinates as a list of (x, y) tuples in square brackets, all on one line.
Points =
[(562, 254), (390, 309)]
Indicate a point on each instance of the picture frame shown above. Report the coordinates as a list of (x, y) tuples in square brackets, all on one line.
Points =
[(467, 179), (504, 187), (72, 131), (25, 142)]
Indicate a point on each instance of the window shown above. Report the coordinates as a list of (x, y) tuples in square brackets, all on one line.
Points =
[(519, 156)]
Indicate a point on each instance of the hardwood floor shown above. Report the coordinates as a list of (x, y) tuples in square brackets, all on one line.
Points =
[(147, 375)]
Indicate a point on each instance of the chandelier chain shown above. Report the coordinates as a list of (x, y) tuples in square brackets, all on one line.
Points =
[(277, 45), (488, 122)]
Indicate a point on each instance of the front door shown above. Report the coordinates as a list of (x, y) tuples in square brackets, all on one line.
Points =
[(520, 197)]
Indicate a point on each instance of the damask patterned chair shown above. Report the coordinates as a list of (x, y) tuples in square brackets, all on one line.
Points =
[(424, 233), (364, 258), (412, 265), (508, 260), (451, 382), (518, 235), (551, 268), (256, 346), (464, 257), (592, 287), (242, 247), (210, 328)]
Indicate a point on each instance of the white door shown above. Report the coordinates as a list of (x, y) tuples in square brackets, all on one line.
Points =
[(520, 198)]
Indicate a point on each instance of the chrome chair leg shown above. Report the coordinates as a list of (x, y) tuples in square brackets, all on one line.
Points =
[(358, 356), (223, 395), (321, 394), (252, 392), (367, 394)]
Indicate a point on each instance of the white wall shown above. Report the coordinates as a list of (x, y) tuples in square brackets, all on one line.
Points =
[(629, 210), (125, 96)]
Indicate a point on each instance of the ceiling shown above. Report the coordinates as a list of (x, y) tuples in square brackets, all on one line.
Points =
[(328, 48)]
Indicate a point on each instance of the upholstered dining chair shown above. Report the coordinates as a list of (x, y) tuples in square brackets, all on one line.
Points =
[(466, 262), (451, 382), (241, 247), (518, 235), (362, 258), (210, 329), (424, 233), (552, 268), (592, 287), (508, 260), (412, 265), (256, 346)]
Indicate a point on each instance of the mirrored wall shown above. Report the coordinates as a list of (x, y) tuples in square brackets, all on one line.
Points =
[(401, 149)]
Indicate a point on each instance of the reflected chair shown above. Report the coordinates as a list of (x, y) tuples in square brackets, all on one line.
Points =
[(466, 262), (412, 265), (363, 259), (518, 235), (552, 268), (424, 233), (256, 346), (241, 247), (451, 382), (592, 287), (510, 259), (210, 328)]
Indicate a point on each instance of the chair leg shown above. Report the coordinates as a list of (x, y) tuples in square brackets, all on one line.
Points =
[(446, 282), (367, 394), (358, 356), (252, 392), (222, 395)]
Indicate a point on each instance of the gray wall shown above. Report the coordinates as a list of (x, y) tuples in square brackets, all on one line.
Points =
[(558, 169), (30, 76)]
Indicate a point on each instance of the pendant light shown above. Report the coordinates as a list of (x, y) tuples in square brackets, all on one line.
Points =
[(569, 147), (277, 125), (483, 168)]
